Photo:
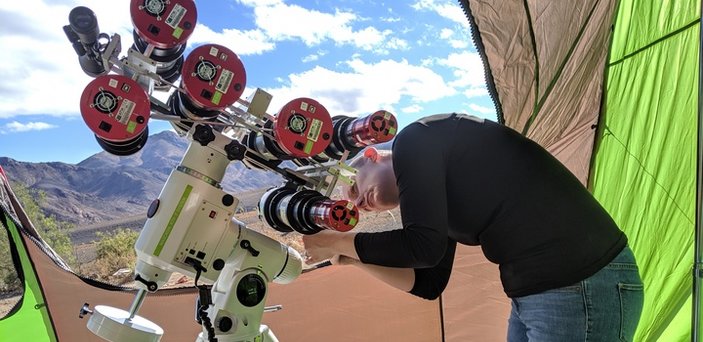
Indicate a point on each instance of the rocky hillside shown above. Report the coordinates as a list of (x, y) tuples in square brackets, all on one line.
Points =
[(104, 187)]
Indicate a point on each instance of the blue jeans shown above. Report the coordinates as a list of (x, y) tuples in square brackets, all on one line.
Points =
[(604, 307)]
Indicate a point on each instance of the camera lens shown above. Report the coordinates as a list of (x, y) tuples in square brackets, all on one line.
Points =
[(84, 22)]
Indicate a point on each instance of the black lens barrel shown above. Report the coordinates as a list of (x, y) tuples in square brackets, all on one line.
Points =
[(85, 24)]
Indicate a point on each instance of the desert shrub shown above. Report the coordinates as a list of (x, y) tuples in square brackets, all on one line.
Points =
[(9, 281), (53, 231), (115, 251)]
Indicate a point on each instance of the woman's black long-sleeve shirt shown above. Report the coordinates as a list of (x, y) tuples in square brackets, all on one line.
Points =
[(476, 182)]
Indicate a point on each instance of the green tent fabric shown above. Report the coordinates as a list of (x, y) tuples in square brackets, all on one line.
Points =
[(31, 321), (644, 170)]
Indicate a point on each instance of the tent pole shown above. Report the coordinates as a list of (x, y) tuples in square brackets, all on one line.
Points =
[(698, 263)]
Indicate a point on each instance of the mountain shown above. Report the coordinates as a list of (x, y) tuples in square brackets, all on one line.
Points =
[(105, 187)]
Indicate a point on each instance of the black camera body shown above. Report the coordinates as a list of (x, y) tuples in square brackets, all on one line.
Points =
[(84, 34)]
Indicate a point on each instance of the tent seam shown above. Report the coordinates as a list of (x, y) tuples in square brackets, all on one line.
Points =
[(602, 111), (557, 76), (531, 29), (659, 40)]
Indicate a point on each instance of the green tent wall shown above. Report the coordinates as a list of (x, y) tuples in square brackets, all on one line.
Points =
[(31, 313), (644, 170)]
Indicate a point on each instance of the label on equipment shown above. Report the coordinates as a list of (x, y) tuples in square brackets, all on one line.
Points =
[(315, 129), (350, 205), (304, 106), (172, 221), (176, 15), (214, 51), (113, 83), (131, 127), (217, 97), (125, 111), (224, 81), (177, 32), (308, 147)]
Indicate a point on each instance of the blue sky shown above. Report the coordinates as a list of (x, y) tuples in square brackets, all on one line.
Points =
[(413, 58)]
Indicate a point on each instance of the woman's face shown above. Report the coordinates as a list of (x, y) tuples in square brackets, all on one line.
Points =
[(375, 188)]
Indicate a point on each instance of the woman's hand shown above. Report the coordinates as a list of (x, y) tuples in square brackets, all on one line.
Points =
[(327, 244), (343, 260), (320, 246)]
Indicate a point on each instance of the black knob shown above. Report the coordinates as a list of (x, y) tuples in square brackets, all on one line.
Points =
[(153, 208), (225, 324), (247, 245), (218, 264), (85, 310), (235, 150), (227, 200), (203, 135)]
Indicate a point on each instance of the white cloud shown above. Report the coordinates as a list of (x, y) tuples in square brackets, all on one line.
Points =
[(481, 109), (475, 92), (447, 9), (247, 42), (459, 44), (39, 71), (414, 108), (396, 44), (15, 127), (446, 33), (390, 19), (315, 56), (428, 62), (310, 58), (367, 38), (468, 70), (280, 21), (365, 88), (450, 36)]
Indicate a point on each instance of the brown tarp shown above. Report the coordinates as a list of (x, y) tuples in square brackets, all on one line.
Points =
[(329, 304), (547, 60)]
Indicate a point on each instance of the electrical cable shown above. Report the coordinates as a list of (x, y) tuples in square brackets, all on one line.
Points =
[(205, 301)]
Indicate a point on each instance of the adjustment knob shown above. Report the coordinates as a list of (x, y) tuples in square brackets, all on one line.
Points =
[(203, 135), (85, 310), (235, 150), (225, 324)]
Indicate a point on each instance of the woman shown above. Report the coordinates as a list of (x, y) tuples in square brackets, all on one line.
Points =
[(458, 179)]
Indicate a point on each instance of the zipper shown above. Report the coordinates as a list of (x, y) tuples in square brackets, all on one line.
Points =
[(488, 76)]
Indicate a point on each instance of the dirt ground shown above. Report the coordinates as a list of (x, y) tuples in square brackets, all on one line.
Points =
[(8, 302), (368, 222)]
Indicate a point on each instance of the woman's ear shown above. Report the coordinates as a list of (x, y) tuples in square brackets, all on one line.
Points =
[(372, 153)]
